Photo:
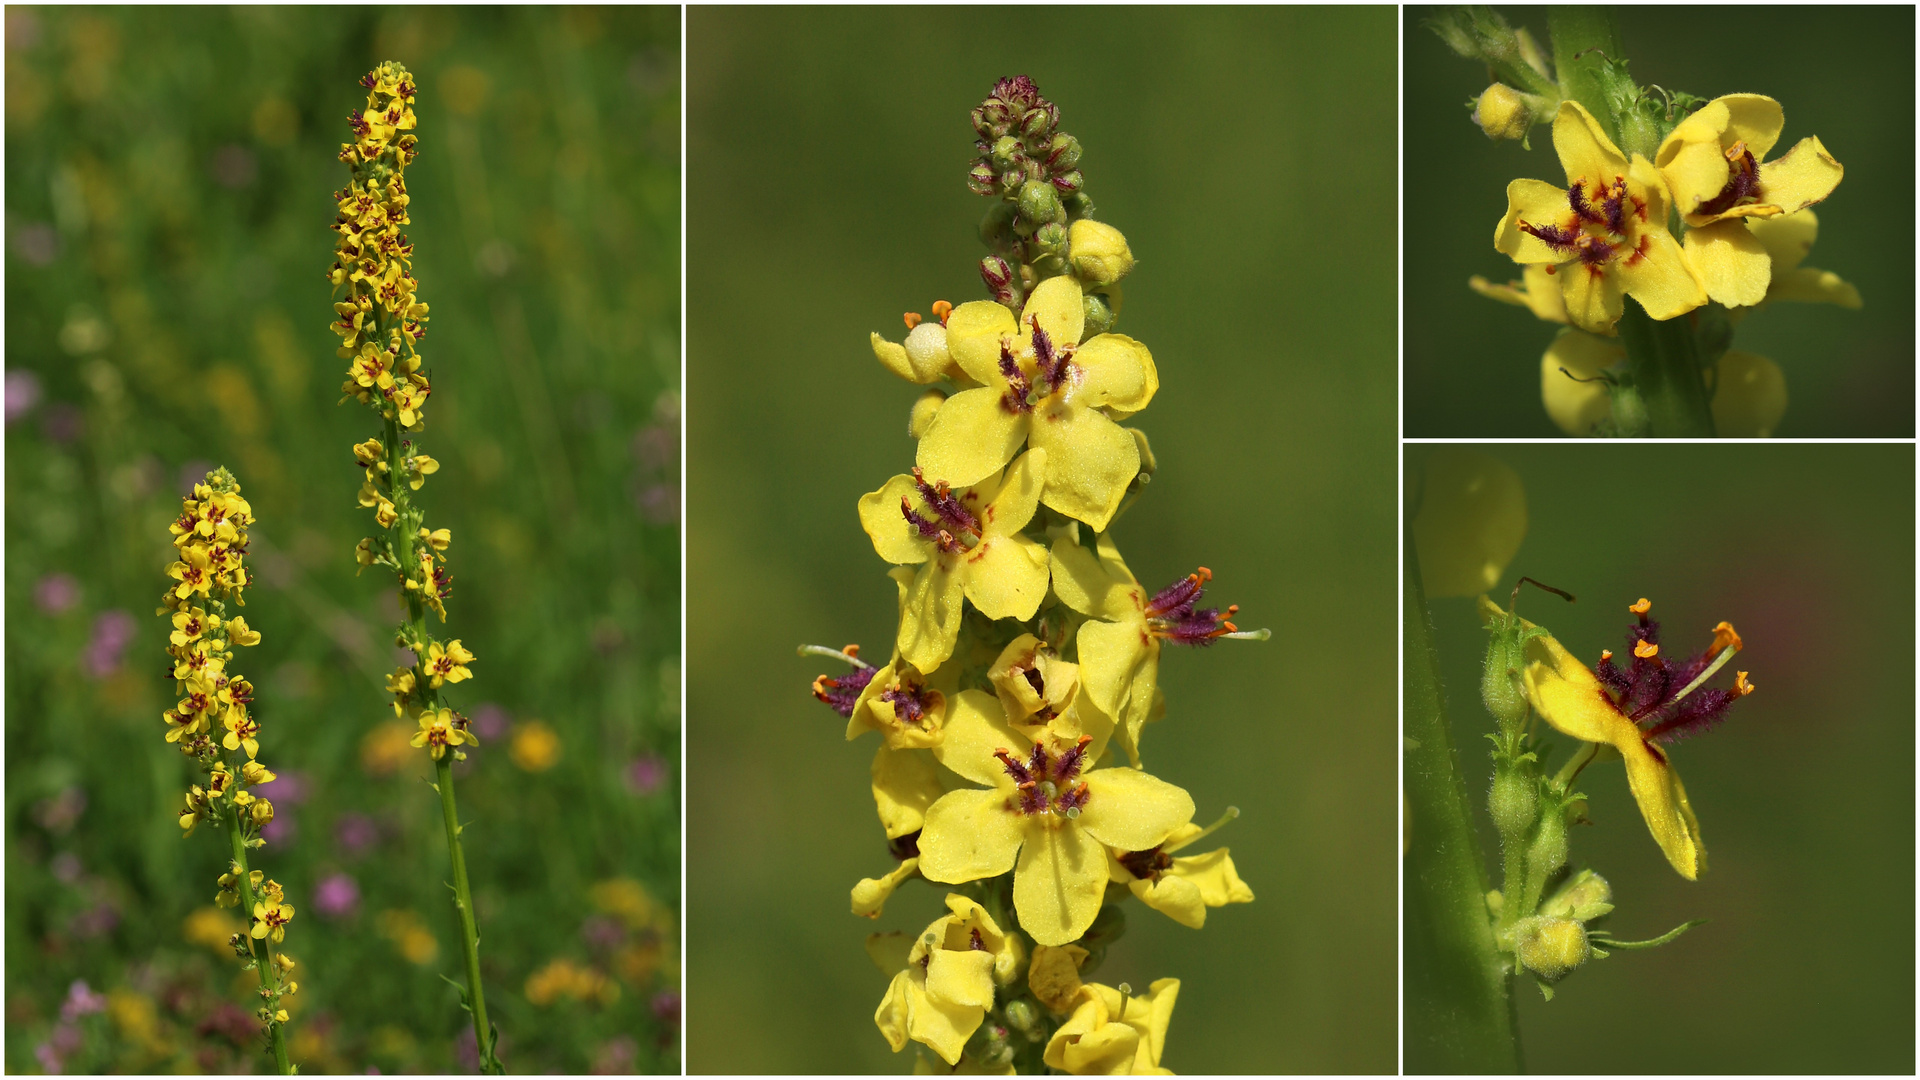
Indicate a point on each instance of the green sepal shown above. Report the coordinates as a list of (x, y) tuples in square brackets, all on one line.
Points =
[(1651, 942)]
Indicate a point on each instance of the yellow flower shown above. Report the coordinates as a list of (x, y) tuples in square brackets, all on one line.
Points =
[(1119, 646), (903, 706), (1788, 238), (1038, 383), (1538, 291), (1711, 160), (438, 731), (242, 731), (1041, 808), (419, 467), (239, 633), (448, 664), (1657, 701), (191, 572), (1100, 253), (1184, 887), (946, 986), (400, 685), (966, 543), (535, 746), (271, 916), (1606, 234), (1115, 1034), (1469, 521)]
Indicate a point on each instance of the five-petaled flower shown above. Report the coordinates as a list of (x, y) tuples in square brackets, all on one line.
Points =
[(1039, 384), (1605, 234), (1637, 712), (1114, 1034), (945, 984)]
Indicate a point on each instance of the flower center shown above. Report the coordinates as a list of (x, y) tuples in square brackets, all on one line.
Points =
[(948, 524), (1171, 614), (1599, 228), (1046, 782), (1664, 698), (1052, 370), (1743, 184)]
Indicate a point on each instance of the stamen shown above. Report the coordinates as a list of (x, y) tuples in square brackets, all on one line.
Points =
[(1553, 236), (942, 309), (1740, 684), (1646, 650), (1645, 605), (912, 318), (1577, 199), (1724, 636)]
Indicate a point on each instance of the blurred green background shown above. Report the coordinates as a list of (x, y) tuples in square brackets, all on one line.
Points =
[(826, 195), (1805, 792), (1844, 74), (168, 194)]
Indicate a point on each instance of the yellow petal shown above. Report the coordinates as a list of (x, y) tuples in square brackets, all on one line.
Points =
[(1470, 522), (1085, 584), (1584, 149), (1656, 787), (970, 834), (976, 727), (893, 538), (1754, 119), (1117, 372), (1577, 407), (971, 438), (1568, 696), (1749, 396), (1090, 461), (1174, 897), (1214, 875), (1593, 299), (1112, 658), (974, 333), (931, 622), (1132, 811), (1054, 975), (1813, 286), (905, 784), (1787, 238), (870, 896), (1056, 303), (891, 1016), (1060, 882), (893, 356), (1011, 506), (1535, 202), (1538, 292), (941, 1025), (1806, 175), (961, 977), (1006, 577), (1732, 263), (1659, 277)]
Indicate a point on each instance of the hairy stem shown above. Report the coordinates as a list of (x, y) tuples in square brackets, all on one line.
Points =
[(463, 906), (262, 956), (1665, 363), (1459, 1006)]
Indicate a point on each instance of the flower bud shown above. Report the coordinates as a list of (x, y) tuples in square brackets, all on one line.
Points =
[(1503, 113), (1548, 851), (989, 1045), (980, 178), (1037, 123), (981, 124), (1025, 1019), (1005, 154), (1079, 205), (262, 812), (1069, 182), (1099, 252), (1551, 947), (1063, 153), (1585, 896), (1039, 204), (924, 408), (1049, 239), (1500, 688), (1101, 313), (1514, 804), (927, 351)]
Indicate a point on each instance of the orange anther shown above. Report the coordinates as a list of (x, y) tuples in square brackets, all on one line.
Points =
[(851, 650), (1646, 650), (1725, 636), (913, 319), (1231, 629), (1741, 686), (1606, 654), (942, 309), (1645, 605), (1204, 574), (1233, 609), (1737, 151)]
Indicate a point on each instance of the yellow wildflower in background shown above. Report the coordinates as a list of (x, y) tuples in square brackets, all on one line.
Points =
[(564, 978), (535, 746), (409, 935)]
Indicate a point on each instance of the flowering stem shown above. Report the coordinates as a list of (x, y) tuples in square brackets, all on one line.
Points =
[(1459, 1004), (463, 906), (1665, 363), (263, 958)]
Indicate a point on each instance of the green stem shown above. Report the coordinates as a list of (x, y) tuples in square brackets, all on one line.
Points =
[(263, 958), (463, 906), (1584, 39), (1667, 374), (1459, 1005)]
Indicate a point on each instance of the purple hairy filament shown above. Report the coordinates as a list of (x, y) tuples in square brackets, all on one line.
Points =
[(1052, 369), (911, 703), (948, 523), (840, 694), (1659, 695), (1743, 184), (1171, 614), (1147, 865), (1046, 783), (1596, 229)]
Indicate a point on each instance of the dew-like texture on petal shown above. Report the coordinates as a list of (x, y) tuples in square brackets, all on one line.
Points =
[(1006, 577), (1787, 238), (931, 622), (1090, 461), (1660, 279), (1583, 146), (1749, 396), (870, 896), (1057, 303), (905, 784), (1116, 371), (1731, 262), (1010, 506), (1088, 587), (1806, 175), (1808, 285), (972, 437), (1132, 811), (975, 729), (1575, 407), (1060, 882), (1535, 202), (969, 835), (975, 331), (893, 538), (962, 977)]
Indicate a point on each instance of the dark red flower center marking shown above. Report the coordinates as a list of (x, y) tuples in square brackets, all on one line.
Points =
[(1045, 782), (904, 847), (948, 524), (1147, 865), (1172, 616), (1052, 369), (1659, 695), (912, 701), (1596, 229), (1743, 182)]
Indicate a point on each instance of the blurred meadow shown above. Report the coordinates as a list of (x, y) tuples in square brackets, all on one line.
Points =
[(1248, 156), (168, 180), (1845, 74), (1805, 792)]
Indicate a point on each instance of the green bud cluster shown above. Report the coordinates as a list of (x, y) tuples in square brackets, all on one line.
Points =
[(1032, 168)]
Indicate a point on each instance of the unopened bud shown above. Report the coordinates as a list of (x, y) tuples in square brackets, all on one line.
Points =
[(1039, 204), (921, 418), (989, 1045), (1513, 803), (1025, 1019), (1586, 896), (1551, 947), (1101, 313), (1503, 112), (1005, 154), (981, 124), (1079, 205), (980, 178), (1099, 252), (1037, 123), (1548, 852), (1049, 238), (1500, 688), (927, 351), (995, 272), (1063, 152), (1069, 182)]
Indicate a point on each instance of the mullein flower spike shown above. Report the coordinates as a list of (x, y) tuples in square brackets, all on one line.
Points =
[(382, 321), (1025, 648), (210, 538)]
